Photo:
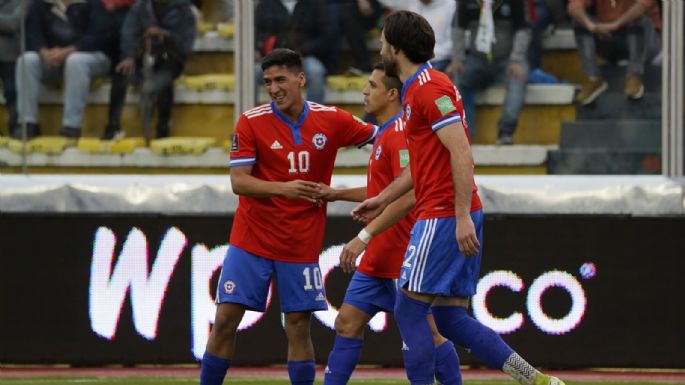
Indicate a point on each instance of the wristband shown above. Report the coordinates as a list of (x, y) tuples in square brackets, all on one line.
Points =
[(364, 236)]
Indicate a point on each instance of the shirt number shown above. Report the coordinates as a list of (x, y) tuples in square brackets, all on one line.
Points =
[(312, 275), (299, 162)]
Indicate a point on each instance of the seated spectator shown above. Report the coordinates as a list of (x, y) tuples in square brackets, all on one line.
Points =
[(543, 14), (167, 27), (440, 14), (117, 11), (303, 26), (624, 23), (10, 19), (65, 41), (352, 19), (497, 52)]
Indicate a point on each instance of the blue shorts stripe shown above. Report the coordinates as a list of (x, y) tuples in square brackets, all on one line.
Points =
[(418, 252), (431, 234)]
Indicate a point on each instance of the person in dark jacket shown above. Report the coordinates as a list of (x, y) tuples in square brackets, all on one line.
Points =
[(169, 26), (303, 26), (10, 19), (497, 51), (65, 41)]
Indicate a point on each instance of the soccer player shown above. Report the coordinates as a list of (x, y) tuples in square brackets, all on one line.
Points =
[(373, 286), (281, 152), (442, 261)]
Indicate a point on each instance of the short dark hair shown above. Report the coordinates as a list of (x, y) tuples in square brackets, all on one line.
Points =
[(411, 33), (389, 81), (283, 57)]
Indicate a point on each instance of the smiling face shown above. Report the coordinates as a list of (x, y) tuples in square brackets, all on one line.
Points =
[(284, 87), (376, 94), (388, 56)]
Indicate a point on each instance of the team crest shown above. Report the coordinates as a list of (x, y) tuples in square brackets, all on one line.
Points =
[(319, 141), (407, 112), (229, 286), (379, 150)]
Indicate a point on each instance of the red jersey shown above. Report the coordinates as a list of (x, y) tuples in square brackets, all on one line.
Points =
[(280, 150), (431, 102), (385, 252)]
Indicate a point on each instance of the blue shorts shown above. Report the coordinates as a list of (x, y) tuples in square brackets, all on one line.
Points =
[(371, 294), (245, 279), (433, 263)]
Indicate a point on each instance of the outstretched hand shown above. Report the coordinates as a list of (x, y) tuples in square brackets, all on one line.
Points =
[(301, 189), (368, 210)]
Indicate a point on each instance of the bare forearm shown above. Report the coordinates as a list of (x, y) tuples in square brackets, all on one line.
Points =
[(579, 14), (631, 14), (400, 186), (253, 187), (461, 164), (354, 194), (392, 214)]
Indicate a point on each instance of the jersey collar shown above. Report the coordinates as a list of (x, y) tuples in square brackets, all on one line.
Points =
[(294, 127), (413, 77), (386, 125)]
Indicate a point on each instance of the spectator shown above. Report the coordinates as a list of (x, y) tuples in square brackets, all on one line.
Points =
[(543, 14), (497, 52), (169, 26), (440, 14), (352, 19), (10, 19), (613, 23), (118, 10), (65, 40), (303, 26)]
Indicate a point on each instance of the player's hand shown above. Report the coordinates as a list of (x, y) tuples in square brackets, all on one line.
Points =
[(368, 210), (455, 68), (126, 66), (466, 236), (349, 254), (605, 29), (326, 193), (516, 71), (300, 189)]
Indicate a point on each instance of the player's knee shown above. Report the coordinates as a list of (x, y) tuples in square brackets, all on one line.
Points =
[(297, 326), (349, 327), (225, 325)]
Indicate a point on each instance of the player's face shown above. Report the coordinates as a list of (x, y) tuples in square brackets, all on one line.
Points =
[(376, 96), (284, 86), (388, 57)]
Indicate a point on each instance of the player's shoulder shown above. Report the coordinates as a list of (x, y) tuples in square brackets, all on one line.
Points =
[(265, 110), (432, 78), (316, 107)]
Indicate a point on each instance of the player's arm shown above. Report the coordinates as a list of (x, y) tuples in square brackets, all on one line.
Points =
[(372, 207), (244, 183), (453, 137), (390, 216), (353, 194)]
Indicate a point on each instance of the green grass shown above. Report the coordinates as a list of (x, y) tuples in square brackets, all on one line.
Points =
[(250, 381)]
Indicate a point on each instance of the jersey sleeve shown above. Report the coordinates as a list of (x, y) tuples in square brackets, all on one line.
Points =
[(441, 105), (243, 146), (399, 154), (356, 132)]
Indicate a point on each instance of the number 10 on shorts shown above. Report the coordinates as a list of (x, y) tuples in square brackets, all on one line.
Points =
[(312, 275)]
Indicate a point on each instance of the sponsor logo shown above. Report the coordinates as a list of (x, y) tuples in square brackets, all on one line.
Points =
[(276, 146), (319, 141), (229, 287), (445, 105), (379, 150), (404, 158), (407, 112), (235, 146), (404, 346), (320, 297)]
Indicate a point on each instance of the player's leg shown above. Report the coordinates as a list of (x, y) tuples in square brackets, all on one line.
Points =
[(453, 322), (244, 284), (300, 288), (411, 305), (365, 296), (447, 370)]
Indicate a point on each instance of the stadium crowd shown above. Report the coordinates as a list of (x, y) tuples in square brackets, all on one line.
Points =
[(76, 41)]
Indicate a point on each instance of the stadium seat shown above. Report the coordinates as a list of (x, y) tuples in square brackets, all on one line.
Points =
[(347, 83), (187, 145), (97, 146), (208, 81), (226, 30), (43, 144)]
